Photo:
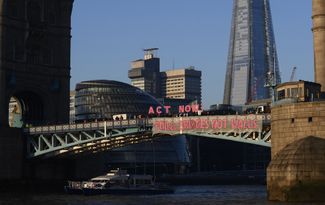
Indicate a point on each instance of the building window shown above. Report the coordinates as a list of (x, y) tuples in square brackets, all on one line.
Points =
[(310, 119), (294, 92), (12, 8), (47, 55), (300, 92), (281, 94), (18, 50), (288, 93), (292, 120), (34, 54), (34, 12)]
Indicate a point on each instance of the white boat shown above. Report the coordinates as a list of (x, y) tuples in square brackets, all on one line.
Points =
[(118, 182)]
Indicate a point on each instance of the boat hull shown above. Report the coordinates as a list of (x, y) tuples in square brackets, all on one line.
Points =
[(111, 191), (130, 191)]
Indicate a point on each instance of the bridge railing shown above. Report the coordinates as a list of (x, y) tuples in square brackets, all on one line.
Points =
[(88, 126), (61, 128), (92, 136)]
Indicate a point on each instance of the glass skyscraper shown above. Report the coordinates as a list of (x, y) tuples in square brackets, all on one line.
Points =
[(252, 53)]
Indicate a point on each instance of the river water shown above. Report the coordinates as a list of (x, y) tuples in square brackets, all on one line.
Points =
[(187, 195)]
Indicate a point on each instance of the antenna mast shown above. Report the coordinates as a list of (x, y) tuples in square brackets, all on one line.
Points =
[(271, 80)]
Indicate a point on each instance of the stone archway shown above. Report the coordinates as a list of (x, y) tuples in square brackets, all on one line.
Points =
[(25, 109)]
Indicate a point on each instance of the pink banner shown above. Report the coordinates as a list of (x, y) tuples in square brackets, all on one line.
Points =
[(209, 124)]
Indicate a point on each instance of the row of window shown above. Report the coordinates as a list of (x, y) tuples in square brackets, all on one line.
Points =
[(33, 55), (37, 11), (100, 99)]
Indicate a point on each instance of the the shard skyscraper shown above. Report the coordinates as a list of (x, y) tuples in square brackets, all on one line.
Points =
[(252, 53)]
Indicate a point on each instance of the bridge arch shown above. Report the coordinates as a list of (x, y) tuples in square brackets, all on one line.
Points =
[(25, 108)]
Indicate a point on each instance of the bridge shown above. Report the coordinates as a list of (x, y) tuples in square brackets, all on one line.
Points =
[(67, 139)]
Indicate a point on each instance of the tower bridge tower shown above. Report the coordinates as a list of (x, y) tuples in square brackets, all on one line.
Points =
[(35, 59), (297, 169)]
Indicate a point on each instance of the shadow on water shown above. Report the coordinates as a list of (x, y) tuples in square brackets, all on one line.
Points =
[(187, 195)]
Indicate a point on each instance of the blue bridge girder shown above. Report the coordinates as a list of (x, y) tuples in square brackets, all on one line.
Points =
[(57, 140)]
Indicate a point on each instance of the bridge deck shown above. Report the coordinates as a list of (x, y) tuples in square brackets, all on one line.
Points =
[(53, 140)]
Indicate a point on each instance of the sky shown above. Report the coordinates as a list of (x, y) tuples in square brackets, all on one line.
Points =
[(108, 34)]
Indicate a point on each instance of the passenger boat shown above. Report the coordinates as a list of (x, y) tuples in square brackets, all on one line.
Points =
[(118, 182)]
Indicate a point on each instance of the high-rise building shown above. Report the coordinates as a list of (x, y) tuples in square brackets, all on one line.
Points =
[(145, 73), (184, 83), (72, 106), (252, 58)]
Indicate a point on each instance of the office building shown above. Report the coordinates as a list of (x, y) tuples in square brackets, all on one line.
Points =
[(184, 83), (144, 73), (252, 57), (72, 106)]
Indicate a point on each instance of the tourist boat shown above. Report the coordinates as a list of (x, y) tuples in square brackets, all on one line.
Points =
[(118, 182)]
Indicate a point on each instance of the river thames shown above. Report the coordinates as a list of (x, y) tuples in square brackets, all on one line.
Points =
[(187, 195)]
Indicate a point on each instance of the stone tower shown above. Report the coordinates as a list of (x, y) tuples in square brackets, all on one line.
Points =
[(35, 40), (297, 169), (319, 39)]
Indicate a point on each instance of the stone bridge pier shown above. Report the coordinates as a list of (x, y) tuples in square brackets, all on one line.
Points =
[(297, 168), (19, 173)]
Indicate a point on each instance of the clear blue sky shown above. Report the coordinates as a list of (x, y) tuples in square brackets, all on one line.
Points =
[(108, 34)]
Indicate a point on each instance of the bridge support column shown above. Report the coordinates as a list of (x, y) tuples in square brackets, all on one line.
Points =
[(297, 168), (11, 154)]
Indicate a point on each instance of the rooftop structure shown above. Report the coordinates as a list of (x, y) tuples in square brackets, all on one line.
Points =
[(144, 73)]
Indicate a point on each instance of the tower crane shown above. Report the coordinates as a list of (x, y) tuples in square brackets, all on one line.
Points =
[(293, 73)]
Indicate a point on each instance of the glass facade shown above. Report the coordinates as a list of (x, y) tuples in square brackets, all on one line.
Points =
[(252, 53), (101, 99)]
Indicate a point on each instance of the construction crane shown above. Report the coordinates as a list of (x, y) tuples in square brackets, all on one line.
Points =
[(293, 74)]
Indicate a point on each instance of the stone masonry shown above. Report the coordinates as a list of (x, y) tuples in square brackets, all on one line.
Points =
[(297, 169)]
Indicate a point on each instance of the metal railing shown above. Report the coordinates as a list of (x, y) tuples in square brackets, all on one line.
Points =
[(76, 138), (87, 126)]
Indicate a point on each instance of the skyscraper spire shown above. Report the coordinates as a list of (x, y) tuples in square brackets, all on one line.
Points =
[(252, 53)]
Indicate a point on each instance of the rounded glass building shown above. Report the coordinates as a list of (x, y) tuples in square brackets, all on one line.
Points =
[(102, 99)]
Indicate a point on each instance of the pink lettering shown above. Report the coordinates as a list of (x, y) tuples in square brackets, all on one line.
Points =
[(181, 109), (195, 108), (167, 107), (187, 108), (158, 110), (151, 110)]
